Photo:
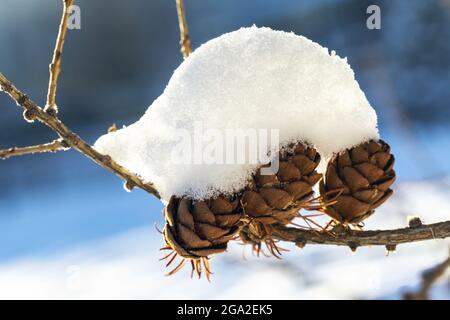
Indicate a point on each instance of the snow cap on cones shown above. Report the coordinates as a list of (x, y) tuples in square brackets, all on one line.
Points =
[(252, 78), (255, 79)]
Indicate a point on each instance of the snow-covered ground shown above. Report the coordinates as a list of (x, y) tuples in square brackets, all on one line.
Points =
[(126, 265)]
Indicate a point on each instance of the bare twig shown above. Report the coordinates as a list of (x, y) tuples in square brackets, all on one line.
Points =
[(51, 108), (112, 128), (185, 41), (33, 112), (355, 239), (55, 145), (429, 278), (55, 65)]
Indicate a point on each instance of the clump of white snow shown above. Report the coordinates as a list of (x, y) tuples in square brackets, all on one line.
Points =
[(252, 78)]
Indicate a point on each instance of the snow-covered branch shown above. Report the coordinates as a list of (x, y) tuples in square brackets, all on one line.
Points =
[(67, 138), (351, 238), (416, 231)]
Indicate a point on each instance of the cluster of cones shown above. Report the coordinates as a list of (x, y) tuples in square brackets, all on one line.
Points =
[(356, 182)]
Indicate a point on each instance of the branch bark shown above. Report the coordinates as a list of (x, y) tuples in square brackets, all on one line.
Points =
[(185, 41), (33, 112), (55, 65), (355, 239), (54, 146)]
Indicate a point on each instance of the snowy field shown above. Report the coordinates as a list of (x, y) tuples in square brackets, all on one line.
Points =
[(126, 265)]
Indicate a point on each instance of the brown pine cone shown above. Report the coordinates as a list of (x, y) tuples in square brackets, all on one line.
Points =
[(360, 177), (277, 198), (197, 229)]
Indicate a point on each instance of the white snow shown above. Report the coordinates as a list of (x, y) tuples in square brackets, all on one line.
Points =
[(252, 78)]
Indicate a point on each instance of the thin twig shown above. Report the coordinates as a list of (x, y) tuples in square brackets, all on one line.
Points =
[(185, 41), (55, 65), (357, 238), (55, 145), (429, 278), (33, 112)]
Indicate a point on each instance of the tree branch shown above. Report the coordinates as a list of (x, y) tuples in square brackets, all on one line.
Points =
[(185, 41), (429, 278), (55, 145), (33, 112), (351, 238), (55, 65), (355, 239)]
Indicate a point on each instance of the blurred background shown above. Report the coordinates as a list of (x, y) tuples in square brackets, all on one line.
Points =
[(69, 230)]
